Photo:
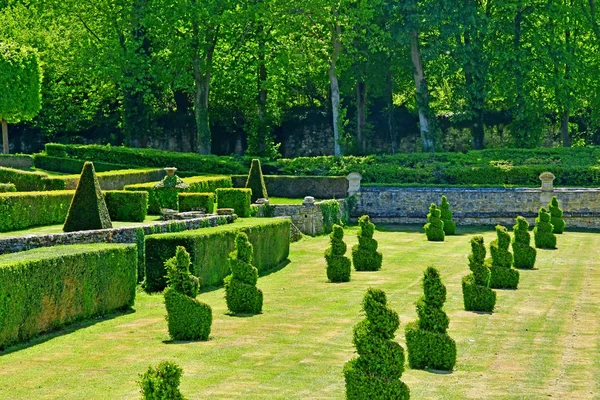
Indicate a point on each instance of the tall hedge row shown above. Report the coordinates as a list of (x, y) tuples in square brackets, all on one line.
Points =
[(30, 181), (209, 249), (46, 288), (71, 165)]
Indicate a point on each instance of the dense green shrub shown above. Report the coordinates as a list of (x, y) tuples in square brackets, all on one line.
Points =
[(556, 214), (434, 228), (26, 209), (7, 187), (209, 249), (365, 256), (331, 214), (71, 165), (167, 192), (524, 254), (126, 206), (47, 288), (446, 215), (427, 342), (477, 295), (162, 382), (197, 201), (115, 180), (320, 187), (238, 199), (375, 374), (88, 208), (338, 265), (187, 318), (256, 182), (29, 181), (543, 235), (502, 276), (241, 294)]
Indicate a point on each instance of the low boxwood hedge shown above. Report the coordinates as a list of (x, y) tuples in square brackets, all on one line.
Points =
[(47, 288), (7, 187), (238, 199), (197, 201), (30, 181), (126, 205), (71, 165), (209, 249)]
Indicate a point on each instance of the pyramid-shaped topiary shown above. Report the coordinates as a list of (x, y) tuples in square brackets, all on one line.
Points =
[(365, 256), (161, 382), (446, 215), (88, 210), (256, 181), (376, 373), (338, 265), (434, 228), (502, 276), (187, 318), (556, 215), (241, 293), (427, 342), (524, 254), (543, 235), (477, 295)]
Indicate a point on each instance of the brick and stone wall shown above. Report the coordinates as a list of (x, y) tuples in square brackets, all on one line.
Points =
[(308, 218), (477, 206)]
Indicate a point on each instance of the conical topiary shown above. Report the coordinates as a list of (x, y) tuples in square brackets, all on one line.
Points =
[(256, 181), (187, 318), (524, 254), (427, 342), (556, 216), (241, 293), (543, 235), (502, 276), (88, 210), (446, 215), (376, 373), (434, 228), (338, 265), (477, 295), (365, 256), (162, 382)]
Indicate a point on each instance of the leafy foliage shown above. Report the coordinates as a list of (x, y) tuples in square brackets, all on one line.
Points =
[(238, 199), (446, 215), (524, 254), (197, 201), (161, 382), (241, 293), (502, 276), (365, 256), (126, 205), (434, 228), (331, 214), (543, 235), (556, 216), (477, 295), (338, 265)]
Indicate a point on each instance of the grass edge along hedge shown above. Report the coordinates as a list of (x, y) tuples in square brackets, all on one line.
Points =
[(209, 249), (46, 288)]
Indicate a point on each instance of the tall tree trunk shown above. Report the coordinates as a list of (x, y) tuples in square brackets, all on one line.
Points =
[(361, 115), (519, 80), (475, 97), (390, 112), (263, 126), (422, 92), (202, 83), (336, 33), (564, 128), (4, 136)]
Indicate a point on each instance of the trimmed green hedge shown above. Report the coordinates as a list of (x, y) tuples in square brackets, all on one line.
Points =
[(126, 205), (24, 210), (209, 249), (117, 180), (71, 165), (238, 199), (197, 201), (320, 187), (47, 288), (7, 188), (29, 181)]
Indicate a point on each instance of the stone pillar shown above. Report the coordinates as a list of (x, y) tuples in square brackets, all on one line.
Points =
[(547, 179), (354, 179)]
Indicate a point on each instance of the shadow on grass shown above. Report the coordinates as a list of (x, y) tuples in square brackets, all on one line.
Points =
[(418, 228), (45, 337), (438, 371), (482, 312), (240, 315), (173, 341)]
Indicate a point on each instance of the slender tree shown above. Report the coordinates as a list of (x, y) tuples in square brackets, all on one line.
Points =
[(502, 276), (365, 256), (524, 254), (477, 294)]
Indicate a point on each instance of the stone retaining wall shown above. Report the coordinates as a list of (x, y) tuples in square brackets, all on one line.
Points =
[(477, 206), (308, 218)]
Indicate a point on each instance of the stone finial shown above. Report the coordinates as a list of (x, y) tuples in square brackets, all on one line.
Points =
[(354, 179), (547, 178), (170, 171), (262, 200), (308, 201)]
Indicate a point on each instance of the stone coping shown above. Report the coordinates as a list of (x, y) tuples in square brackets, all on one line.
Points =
[(469, 189)]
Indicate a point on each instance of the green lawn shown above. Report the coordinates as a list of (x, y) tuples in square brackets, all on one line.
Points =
[(542, 342)]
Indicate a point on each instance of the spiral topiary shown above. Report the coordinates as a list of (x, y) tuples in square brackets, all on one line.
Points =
[(434, 228), (338, 265), (162, 382), (187, 318), (446, 215), (427, 342), (524, 254), (502, 276), (376, 373), (365, 256), (241, 294), (543, 235), (477, 295), (556, 216)]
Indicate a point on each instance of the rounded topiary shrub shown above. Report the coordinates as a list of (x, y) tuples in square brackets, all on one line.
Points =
[(434, 228), (365, 256), (446, 215), (187, 318), (556, 216), (338, 265), (543, 235), (524, 254), (376, 373), (241, 293), (502, 276), (477, 295), (427, 342), (162, 382)]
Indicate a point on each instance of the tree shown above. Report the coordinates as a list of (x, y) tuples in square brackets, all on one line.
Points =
[(162, 382), (241, 293), (21, 77), (434, 228), (543, 235), (446, 215), (477, 295), (502, 276), (338, 265), (558, 223), (524, 254), (365, 256)]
